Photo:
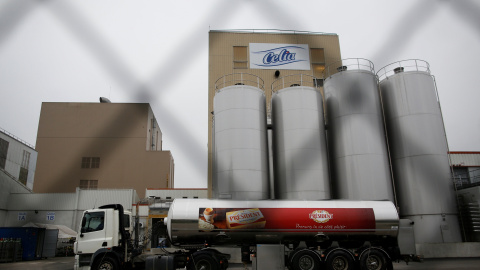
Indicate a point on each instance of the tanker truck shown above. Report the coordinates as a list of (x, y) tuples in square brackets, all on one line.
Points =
[(300, 235)]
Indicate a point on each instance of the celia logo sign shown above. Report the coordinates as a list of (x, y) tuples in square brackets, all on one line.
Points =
[(279, 56)]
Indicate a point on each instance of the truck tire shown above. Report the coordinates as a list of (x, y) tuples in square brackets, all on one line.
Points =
[(204, 262), (106, 263), (373, 260), (305, 260), (339, 260)]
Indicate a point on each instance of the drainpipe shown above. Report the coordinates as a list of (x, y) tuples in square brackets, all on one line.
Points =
[(75, 210)]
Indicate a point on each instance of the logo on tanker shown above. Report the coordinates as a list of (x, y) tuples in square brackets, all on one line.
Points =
[(320, 216)]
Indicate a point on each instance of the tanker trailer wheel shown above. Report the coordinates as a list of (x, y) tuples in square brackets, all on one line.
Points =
[(305, 260), (373, 260), (203, 262), (340, 260), (105, 263)]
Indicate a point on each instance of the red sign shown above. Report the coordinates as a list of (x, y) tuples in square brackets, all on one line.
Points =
[(288, 219)]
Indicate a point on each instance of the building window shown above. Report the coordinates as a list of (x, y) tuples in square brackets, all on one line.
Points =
[(85, 162), (26, 159), (474, 174), (88, 184), (90, 162), (22, 178), (3, 153), (461, 176), (240, 59), (318, 64), (95, 163)]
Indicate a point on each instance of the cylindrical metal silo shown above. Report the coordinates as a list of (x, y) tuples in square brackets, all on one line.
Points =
[(356, 135), (419, 151), (240, 161), (300, 151)]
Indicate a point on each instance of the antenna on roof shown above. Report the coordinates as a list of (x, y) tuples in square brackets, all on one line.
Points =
[(104, 100)]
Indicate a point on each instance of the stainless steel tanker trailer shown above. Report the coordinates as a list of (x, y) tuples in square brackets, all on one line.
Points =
[(300, 235)]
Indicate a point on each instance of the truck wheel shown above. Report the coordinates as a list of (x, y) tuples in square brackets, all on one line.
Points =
[(373, 260), (305, 260), (204, 262), (339, 260), (106, 263)]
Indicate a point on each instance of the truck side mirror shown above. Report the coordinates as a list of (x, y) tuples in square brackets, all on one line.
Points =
[(82, 229), (84, 220)]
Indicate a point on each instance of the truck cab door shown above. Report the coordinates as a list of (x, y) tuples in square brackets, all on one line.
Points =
[(92, 234)]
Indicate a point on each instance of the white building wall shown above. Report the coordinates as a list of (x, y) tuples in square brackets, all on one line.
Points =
[(65, 208), (21, 206), (15, 152), (18, 218), (8, 185), (89, 199), (177, 193)]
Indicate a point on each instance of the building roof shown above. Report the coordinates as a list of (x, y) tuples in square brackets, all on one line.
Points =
[(17, 139), (272, 31), (465, 159)]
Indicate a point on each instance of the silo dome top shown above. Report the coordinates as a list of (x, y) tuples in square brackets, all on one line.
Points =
[(403, 66), (239, 79), (294, 80), (348, 64)]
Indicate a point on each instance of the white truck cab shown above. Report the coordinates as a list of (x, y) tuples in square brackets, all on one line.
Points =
[(100, 233)]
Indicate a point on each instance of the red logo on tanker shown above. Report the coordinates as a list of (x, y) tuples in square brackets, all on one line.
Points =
[(286, 219), (320, 216)]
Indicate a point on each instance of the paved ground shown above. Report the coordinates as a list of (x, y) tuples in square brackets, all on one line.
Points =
[(66, 263), (58, 263)]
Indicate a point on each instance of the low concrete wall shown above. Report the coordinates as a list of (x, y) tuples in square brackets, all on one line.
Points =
[(449, 250)]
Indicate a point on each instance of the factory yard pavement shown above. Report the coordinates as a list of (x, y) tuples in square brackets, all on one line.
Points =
[(66, 263), (56, 263)]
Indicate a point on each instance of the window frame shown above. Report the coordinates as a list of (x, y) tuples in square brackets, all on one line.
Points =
[(87, 226), (317, 60), (88, 184), (240, 61), (95, 162), (85, 163), (90, 163), (4, 144)]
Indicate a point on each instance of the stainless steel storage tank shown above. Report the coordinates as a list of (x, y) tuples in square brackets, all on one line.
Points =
[(356, 135), (419, 149), (240, 161), (270, 221), (300, 151)]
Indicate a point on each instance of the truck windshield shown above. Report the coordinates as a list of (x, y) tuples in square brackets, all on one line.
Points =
[(93, 222)]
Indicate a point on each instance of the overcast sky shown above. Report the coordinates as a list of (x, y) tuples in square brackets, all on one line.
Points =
[(157, 52)]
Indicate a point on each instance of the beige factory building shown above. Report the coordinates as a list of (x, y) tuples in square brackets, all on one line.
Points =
[(100, 146), (241, 52)]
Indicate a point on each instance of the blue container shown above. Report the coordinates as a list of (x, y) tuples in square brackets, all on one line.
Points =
[(32, 247)]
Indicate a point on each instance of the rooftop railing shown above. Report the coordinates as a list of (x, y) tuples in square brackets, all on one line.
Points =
[(239, 79), (348, 64), (294, 80), (402, 66), (16, 138)]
